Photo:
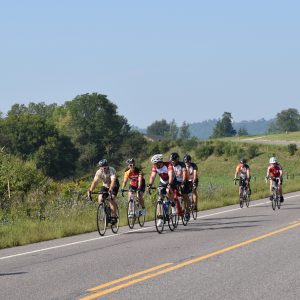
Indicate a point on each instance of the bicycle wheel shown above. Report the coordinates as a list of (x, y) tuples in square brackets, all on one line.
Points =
[(194, 211), (241, 202), (159, 217), (141, 219), (278, 202), (101, 219), (172, 219), (274, 201), (131, 214), (247, 200), (115, 226)]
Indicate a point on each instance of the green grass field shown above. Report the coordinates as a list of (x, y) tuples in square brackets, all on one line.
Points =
[(75, 214)]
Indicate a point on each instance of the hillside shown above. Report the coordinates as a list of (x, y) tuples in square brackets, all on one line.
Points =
[(204, 130)]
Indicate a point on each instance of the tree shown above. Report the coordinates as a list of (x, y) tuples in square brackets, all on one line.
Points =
[(93, 119), (288, 120), (158, 128), (224, 127), (184, 132), (57, 158), (172, 132), (22, 134), (242, 131)]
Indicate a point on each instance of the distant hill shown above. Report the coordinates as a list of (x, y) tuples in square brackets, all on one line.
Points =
[(204, 130)]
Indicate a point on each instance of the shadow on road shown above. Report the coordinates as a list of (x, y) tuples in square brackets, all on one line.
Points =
[(11, 274)]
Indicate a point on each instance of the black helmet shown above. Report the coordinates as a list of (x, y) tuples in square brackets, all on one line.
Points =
[(187, 158), (130, 161), (243, 160), (174, 156), (103, 163)]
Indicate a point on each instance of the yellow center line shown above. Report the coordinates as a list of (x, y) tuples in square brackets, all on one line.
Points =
[(128, 277), (186, 263)]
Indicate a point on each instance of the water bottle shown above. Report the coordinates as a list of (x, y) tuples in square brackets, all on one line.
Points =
[(166, 205)]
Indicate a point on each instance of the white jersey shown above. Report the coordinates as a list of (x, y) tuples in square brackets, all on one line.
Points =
[(106, 177)]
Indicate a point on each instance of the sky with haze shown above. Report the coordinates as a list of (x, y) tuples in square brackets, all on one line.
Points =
[(186, 60)]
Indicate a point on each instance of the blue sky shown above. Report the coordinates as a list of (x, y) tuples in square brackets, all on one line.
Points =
[(183, 60)]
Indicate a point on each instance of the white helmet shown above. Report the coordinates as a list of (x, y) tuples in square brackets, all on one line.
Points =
[(156, 158), (273, 160)]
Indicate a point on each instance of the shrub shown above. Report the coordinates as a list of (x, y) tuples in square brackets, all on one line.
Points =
[(292, 148), (204, 151), (252, 151), (219, 148)]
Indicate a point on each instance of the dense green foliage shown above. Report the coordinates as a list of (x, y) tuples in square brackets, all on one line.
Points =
[(286, 121)]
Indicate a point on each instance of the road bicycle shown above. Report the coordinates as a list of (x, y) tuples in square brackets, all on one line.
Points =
[(275, 193), (134, 210), (180, 210), (244, 196), (163, 211), (104, 214), (193, 206)]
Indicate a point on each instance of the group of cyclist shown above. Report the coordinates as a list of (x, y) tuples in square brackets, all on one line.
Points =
[(174, 176), (274, 172)]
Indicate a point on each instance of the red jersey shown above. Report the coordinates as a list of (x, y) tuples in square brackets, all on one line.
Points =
[(274, 170), (163, 172)]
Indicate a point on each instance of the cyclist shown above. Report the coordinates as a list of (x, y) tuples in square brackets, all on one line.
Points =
[(275, 171), (193, 180), (180, 181), (165, 172), (111, 185), (137, 182), (243, 171)]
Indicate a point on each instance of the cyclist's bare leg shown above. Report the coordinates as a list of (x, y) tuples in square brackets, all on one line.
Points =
[(141, 199), (195, 197), (113, 206)]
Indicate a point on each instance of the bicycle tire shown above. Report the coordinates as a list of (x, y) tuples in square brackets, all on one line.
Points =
[(141, 220), (274, 201), (278, 202), (171, 220), (241, 202), (247, 200), (157, 216), (101, 219), (115, 227), (194, 211), (131, 217)]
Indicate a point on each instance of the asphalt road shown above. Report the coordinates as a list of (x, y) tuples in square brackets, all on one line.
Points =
[(228, 253)]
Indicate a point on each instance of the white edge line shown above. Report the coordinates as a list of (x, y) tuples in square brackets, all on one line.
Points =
[(127, 232)]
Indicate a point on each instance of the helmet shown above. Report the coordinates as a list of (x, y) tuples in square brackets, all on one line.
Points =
[(273, 160), (130, 161), (187, 158), (174, 156), (103, 163), (157, 158), (243, 160)]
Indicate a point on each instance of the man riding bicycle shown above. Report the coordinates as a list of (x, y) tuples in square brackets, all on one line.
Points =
[(108, 175), (274, 171), (165, 172), (243, 171), (137, 183), (193, 180)]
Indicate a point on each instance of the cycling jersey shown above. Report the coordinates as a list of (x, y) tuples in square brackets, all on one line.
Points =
[(133, 176), (106, 177), (242, 170), (163, 172), (190, 170), (178, 171), (274, 170)]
